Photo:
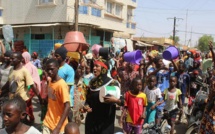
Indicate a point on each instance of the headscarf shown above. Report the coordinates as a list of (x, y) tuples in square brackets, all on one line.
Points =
[(102, 79), (32, 69)]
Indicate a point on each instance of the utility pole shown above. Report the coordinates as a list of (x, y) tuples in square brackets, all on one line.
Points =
[(185, 43), (174, 25), (76, 14)]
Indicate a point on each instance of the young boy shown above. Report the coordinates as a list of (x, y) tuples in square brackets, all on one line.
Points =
[(172, 98), (58, 101), (13, 114), (183, 84), (72, 128), (135, 103), (153, 94)]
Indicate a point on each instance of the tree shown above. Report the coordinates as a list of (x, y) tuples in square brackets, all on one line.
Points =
[(203, 42), (176, 39)]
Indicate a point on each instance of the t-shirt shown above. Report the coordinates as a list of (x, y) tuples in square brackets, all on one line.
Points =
[(58, 95), (183, 81), (5, 72), (171, 99), (152, 95), (31, 130), (135, 105), (36, 63), (67, 73), (23, 79)]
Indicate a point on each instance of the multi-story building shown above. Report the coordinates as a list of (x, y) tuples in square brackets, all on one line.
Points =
[(42, 23)]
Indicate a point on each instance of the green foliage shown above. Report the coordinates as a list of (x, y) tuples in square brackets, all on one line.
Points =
[(203, 44), (176, 39)]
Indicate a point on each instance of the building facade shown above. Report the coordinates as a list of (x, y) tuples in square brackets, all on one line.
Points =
[(42, 23)]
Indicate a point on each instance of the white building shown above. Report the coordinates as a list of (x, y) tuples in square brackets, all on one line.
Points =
[(42, 23)]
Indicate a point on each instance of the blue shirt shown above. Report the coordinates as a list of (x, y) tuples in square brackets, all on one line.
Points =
[(67, 73), (37, 63), (183, 81)]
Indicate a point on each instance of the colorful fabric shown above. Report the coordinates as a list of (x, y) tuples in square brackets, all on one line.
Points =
[(58, 95), (32, 69), (29, 111), (135, 105), (150, 114), (208, 122), (23, 79), (67, 73), (129, 128)]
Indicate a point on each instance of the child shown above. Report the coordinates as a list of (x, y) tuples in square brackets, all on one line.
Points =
[(172, 98), (72, 128), (135, 103), (58, 101), (13, 113), (183, 84), (153, 94)]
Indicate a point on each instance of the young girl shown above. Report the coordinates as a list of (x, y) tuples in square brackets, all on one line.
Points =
[(153, 94), (172, 97), (135, 103), (13, 113)]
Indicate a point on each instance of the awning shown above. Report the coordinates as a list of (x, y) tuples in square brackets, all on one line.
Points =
[(142, 44), (36, 25)]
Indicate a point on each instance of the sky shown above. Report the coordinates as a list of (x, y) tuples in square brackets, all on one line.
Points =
[(154, 18)]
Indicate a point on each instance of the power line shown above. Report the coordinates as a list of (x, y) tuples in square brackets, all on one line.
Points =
[(195, 32)]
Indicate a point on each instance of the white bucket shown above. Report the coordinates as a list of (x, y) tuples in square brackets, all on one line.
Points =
[(111, 90)]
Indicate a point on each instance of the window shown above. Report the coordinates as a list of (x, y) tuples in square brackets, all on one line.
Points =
[(38, 36), (134, 0), (118, 10), (46, 1), (109, 7), (129, 14), (96, 12), (83, 9), (133, 26), (0, 12)]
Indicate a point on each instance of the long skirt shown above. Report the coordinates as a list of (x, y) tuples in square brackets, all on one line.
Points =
[(150, 114)]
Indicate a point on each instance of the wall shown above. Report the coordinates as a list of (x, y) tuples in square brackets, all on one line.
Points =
[(28, 11)]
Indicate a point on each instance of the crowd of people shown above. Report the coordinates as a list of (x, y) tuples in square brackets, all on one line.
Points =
[(66, 89)]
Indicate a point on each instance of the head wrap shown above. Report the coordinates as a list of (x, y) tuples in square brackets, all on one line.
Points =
[(26, 56), (62, 52), (102, 79), (35, 54)]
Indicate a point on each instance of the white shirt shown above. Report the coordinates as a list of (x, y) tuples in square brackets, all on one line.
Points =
[(31, 130), (152, 95)]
